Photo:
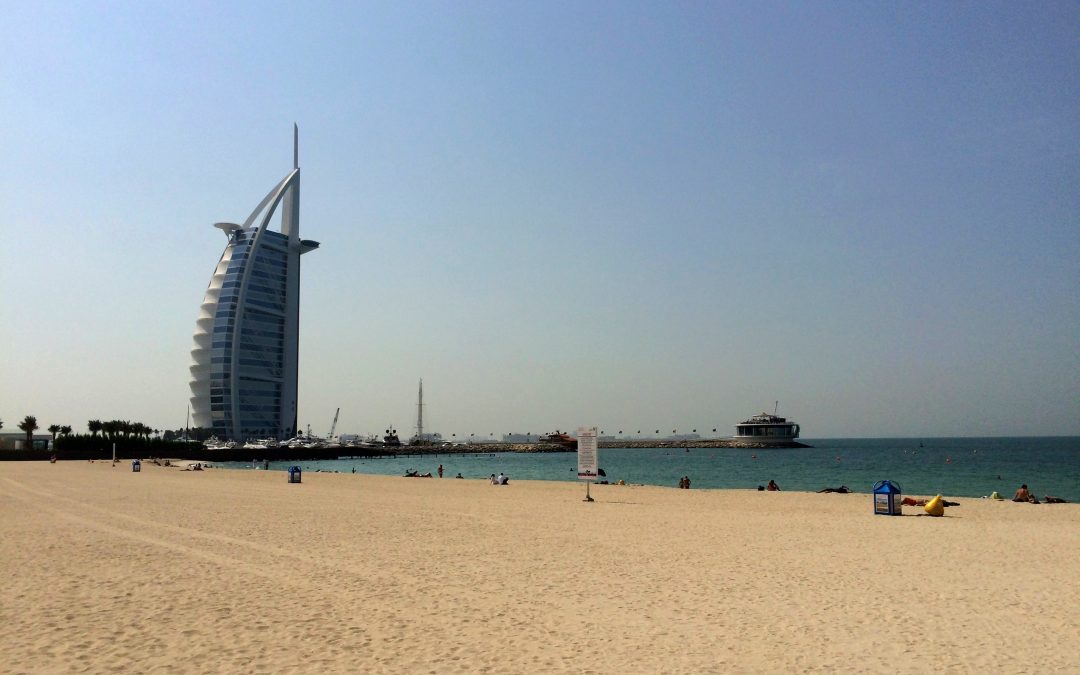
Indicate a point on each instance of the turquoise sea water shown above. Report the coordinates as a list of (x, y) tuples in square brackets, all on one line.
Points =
[(957, 467)]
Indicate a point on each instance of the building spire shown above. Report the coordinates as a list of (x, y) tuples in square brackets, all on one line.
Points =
[(295, 146), (420, 413)]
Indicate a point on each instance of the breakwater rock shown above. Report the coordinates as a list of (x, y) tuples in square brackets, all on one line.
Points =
[(198, 452), (701, 443), (345, 452), (489, 448)]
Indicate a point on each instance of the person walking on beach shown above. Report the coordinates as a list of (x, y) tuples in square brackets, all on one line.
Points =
[(440, 471)]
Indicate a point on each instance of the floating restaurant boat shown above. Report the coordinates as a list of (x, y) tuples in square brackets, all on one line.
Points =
[(766, 428), (561, 439)]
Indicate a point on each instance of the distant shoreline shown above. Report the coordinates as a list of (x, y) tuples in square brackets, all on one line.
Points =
[(488, 448), (329, 452), (652, 443)]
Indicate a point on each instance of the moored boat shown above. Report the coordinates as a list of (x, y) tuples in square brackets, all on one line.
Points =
[(559, 438), (766, 428)]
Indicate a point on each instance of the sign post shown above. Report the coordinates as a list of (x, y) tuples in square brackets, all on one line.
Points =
[(587, 460)]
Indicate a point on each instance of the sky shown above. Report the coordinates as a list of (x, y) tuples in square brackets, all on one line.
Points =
[(633, 215)]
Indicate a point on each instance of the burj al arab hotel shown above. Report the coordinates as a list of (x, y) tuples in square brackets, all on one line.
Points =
[(244, 361)]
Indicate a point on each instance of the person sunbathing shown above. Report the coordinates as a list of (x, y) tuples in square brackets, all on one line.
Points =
[(843, 489), (911, 501)]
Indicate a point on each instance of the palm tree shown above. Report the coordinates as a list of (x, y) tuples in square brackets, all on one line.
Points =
[(65, 430), (94, 426), (54, 429), (29, 425)]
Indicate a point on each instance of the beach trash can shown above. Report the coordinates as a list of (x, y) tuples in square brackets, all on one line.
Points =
[(294, 474), (136, 465), (887, 498)]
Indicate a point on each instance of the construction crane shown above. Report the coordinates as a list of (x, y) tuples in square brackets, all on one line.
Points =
[(330, 436)]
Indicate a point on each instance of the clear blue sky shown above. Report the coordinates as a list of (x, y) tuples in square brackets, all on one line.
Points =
[(634, 215)]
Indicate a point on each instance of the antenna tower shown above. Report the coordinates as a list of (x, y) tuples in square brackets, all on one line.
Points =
[(420, 413)]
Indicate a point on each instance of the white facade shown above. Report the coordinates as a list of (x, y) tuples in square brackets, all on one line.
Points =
[(244, 370)]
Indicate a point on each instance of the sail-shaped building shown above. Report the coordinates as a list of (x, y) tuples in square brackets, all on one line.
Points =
[(244, 362)]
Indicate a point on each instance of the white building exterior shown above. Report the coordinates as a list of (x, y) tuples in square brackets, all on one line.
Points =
[(244, 371)]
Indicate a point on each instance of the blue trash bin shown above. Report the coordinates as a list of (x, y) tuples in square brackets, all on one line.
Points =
[(294, 474), (887, 498), (136, 466)]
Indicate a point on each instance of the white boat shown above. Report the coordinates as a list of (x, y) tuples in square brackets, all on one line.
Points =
[(766, 428), (215, 443), (261, 444), (304, 441)]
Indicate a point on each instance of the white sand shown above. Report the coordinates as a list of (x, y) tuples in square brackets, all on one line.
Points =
[(238, 571)]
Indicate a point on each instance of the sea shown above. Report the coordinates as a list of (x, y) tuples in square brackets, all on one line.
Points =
[(953, 467)]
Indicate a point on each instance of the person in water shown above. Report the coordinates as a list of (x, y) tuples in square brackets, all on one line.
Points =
[(772, 486)]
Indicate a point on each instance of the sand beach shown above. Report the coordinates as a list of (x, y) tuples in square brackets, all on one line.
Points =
[(177, 571)]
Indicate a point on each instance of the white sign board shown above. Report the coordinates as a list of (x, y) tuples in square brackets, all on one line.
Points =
[(586, 454)]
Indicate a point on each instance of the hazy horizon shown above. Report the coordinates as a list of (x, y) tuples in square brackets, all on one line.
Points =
[(625, 215)]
